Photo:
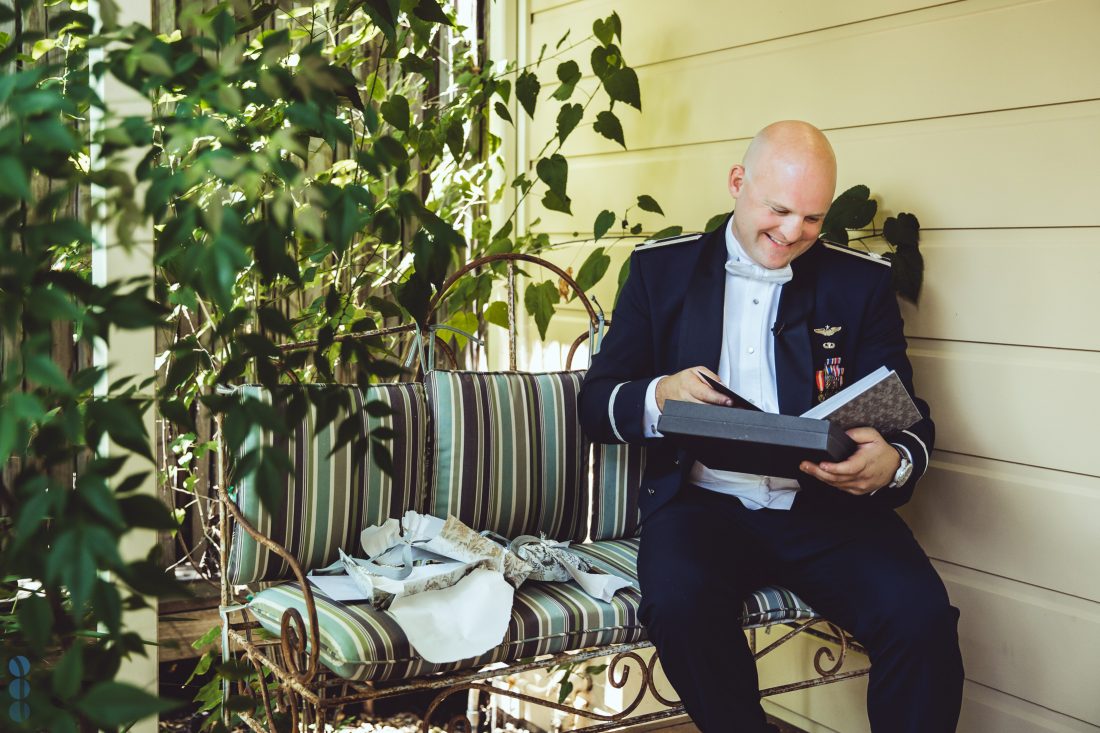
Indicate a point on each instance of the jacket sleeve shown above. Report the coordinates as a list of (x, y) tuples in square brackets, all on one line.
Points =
[(884, 344), (612, 397)]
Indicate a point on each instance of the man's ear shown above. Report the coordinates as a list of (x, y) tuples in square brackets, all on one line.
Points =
[(736, 180)]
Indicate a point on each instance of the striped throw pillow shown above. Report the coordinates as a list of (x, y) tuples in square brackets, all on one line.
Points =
[(508, 454), (329, 497), (616, 478)]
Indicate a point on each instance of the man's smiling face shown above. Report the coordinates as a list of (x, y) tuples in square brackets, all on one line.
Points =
[(783, 191)]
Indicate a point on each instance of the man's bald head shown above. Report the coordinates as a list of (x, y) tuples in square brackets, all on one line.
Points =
[(783, 189), (792, 143)]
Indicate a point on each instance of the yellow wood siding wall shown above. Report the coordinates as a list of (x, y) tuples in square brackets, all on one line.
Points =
[(983, 117)]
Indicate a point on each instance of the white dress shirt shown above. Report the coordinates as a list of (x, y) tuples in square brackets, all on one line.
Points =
[(747, 366)]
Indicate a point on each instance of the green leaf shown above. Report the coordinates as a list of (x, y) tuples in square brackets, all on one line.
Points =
[(902, 231), (35, 619), (501, 110), (671, 231), (569, 73), (593, 269), (604, 31), (624, 273), (566, 688), (235, 670), (225, 27), (908, 263), (554, 172), (497, 314), (527, 92), (13, 179), (395, 111), (463, 321), (431, 11), (69, 671), (715, 221), (142, 510), (569, 116), (42, 370), (201, 668), (71, 563), (122, 420), (540, 299), (212, 635), (648, 203), (155, 64), (608, 125), (114, 704), (108, 605), (622, 86), (31, 512), (853, 209), (9, 434), (384, 14), (604, 221), (616, 25), (605, 60)]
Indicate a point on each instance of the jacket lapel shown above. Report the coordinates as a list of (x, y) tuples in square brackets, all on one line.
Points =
[(701, 323), (793, 357)]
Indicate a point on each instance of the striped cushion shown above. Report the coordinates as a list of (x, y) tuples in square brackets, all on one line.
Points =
[(508, 452), (616, 478), (327, 500), (360, 643)]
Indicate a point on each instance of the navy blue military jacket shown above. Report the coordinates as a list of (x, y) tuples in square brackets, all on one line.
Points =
[(669, 317)]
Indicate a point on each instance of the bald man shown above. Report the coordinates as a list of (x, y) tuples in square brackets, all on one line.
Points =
[(763, 306)]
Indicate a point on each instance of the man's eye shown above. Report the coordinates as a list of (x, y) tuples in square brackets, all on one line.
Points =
[(781, 212)]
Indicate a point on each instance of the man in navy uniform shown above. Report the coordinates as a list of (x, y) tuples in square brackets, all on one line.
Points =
[(783, 319)]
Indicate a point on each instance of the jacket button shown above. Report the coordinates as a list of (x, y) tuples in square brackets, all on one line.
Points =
[(650, 491)]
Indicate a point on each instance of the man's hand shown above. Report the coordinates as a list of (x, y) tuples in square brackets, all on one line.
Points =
[(688, 386), (871, 467)]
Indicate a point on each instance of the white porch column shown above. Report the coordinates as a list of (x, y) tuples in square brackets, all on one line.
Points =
[(128, 352)]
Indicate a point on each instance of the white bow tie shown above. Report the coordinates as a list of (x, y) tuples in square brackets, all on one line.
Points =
[(753, 271)]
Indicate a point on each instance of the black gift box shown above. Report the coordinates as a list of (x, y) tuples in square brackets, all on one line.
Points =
[(732, 439)]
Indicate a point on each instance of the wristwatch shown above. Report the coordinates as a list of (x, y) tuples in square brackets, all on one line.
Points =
[(905, 470)]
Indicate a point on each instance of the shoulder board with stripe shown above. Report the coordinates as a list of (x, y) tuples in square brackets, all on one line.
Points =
[(665, 242), (869, 256)]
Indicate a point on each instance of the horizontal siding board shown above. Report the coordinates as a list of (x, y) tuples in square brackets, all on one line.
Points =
[(1016, 310), (1024, 276), (1028, 642), (1031, 406), (732, 94), (1034, 525), (986, 710), (928, 167), (652, 34)]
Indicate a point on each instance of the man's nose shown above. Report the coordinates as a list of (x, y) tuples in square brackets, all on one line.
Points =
[(792, 229)]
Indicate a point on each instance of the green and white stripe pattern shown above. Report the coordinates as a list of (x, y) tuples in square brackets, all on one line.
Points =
[(508, 452), (361, 643), (329, 497), (616, 480)]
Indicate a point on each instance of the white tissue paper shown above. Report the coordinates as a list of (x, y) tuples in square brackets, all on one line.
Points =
[(462, 621), (449, 588)]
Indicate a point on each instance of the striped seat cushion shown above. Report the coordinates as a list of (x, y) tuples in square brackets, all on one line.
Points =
[(328, 497), (361, 643), (768, 605), (616, 479), (508, 454)]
